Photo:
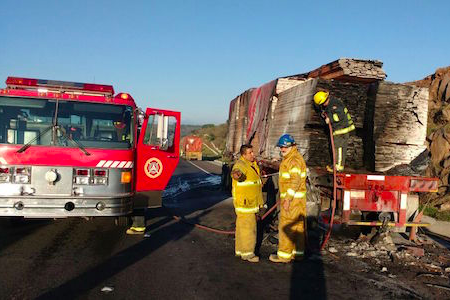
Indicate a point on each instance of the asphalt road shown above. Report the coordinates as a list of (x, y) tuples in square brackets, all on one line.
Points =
[(77, 258)]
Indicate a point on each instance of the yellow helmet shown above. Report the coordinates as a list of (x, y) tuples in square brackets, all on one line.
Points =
[(320, 97)]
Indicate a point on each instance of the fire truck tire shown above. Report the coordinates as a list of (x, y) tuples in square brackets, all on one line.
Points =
[(123, 221)]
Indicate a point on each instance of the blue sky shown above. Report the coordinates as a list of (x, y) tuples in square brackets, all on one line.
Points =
[(195, 56)]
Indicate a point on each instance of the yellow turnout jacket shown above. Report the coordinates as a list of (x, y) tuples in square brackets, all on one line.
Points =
[(247, 195), (292, 181)]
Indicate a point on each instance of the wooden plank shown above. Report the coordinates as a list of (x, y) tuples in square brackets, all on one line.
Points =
[(391, 119)]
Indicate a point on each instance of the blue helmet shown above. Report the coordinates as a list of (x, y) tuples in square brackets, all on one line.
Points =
[(286, 140)]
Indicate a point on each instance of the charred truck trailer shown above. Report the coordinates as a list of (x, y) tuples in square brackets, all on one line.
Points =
[(75, 149), (391, 127)]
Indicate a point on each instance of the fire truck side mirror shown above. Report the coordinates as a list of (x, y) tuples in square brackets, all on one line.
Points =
[(140, 117)]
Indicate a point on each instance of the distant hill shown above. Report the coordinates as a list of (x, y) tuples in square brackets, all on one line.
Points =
[(187, 129), (213, 135)]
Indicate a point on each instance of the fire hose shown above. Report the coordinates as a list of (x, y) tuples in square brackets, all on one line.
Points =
[(227, 232), (221, 231), (333, 207), (200, 226)]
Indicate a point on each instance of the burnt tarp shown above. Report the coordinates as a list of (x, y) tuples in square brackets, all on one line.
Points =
[(231, 126), (238, 117), (258, 107)]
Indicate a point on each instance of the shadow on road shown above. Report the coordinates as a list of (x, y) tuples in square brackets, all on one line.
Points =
[(308, 275), (15, 229), (163, 231), (88, 280)]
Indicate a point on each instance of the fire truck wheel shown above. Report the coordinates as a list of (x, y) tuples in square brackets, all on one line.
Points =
[(123, 221)]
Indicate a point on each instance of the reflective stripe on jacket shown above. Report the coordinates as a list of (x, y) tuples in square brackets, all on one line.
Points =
[(340, 118), (247, 195), (292, 181)]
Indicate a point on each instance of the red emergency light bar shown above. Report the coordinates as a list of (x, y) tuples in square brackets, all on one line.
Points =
[(124, 96), (18, 82)]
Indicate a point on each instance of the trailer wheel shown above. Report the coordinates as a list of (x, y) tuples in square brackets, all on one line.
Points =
[(122, 221)]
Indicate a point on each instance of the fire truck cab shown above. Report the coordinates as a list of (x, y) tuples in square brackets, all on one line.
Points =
[(78, 149)]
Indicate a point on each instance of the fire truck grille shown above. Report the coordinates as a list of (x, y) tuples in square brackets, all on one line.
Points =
[(62, 186)]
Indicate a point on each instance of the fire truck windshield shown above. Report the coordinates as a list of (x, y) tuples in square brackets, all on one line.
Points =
[(92, 125)]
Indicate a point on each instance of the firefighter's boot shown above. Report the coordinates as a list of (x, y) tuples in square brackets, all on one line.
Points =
[(136, 230), (276, 259), (252, 259), (138, 226)]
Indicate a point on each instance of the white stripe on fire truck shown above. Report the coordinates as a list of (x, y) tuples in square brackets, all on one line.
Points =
[(115, 164), (108, 163), (101, 163), (3, 161)]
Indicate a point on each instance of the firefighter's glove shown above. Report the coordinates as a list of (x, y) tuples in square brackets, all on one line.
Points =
[(262, 211), (239, 176), (242, 177)]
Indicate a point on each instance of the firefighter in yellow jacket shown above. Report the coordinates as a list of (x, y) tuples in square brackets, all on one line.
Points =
[(247, 199), (292, 188)]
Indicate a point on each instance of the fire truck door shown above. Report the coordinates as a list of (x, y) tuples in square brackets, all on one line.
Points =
[(157, 150)]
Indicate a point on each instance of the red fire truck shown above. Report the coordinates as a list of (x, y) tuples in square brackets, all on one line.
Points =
[(192, 147), (78, 149)]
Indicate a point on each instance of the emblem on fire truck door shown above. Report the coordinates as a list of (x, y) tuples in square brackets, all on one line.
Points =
[(153, 167)]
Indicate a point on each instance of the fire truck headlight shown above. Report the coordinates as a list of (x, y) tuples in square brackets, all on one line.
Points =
[(101, 180), (82, 180), (5, 175), (125, 177), (22, 179), (5, 178)]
